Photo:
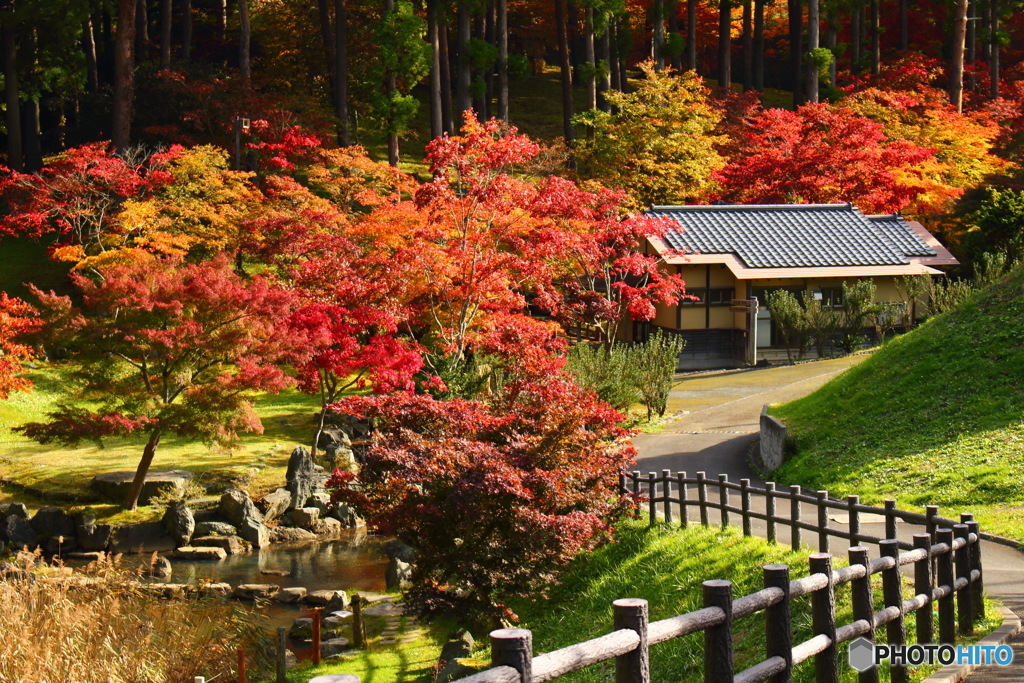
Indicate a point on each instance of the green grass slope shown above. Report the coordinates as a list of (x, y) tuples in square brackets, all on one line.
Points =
[(934, 417)]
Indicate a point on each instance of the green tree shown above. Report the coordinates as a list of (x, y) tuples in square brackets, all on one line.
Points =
[(858, 307), (1000, 224), (653, 366), (790, 320), (822, 323)]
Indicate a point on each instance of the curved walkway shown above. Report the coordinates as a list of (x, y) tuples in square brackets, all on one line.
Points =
[(717, 434)]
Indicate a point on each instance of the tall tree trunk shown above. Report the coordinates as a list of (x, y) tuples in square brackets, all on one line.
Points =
[(658, 36), (89, 48), (994, 59), (124, 75), (972, 41), (691, 35), (186, 30), (465, 75), (323, 10), (141, 29), (813, 36), (446, 70), (15, 157), (480, 100), (491, 39), (748, 46), (166, 19), (904, 25), (591, 57), (796, 50), (30, 131), (613, 50), (956, 67), (623, 42), (390, 90), (222, 19), (502, 29), (876, 37), (341, 71), (566, 72), (244, 65), (856, 33), (673, 29), (725, 45), (436, 121), (759, 45), (132, 501), (606, 56), (830, 42)]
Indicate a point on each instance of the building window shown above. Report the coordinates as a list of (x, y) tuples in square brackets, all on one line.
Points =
[(720, 296), (831, 297)]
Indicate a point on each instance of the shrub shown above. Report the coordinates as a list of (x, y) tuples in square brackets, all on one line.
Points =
[(791, 322), (608, 372), (653, 367), (822, 323), (857, 309)]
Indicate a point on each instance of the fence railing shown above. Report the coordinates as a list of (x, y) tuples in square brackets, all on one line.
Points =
[(947, 570)]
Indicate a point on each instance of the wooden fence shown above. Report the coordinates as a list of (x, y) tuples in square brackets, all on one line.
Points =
[(946, 561)]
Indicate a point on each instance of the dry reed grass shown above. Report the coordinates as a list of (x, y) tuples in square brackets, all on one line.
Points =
[(101, 625)]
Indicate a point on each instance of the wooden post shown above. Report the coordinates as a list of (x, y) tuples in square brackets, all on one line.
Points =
[(745, 504), (851, 503), (822, 522), (635, 666), (892, 591), (242, 678), (777, 621), (702, 498), (666, 477), (513, 647), (932, 513), (890, 518), (964, 602), (622, 484), (718, 664), (723, 498), (358, 628), (863, 599), (652, 506), (947, 616), (794, 514), (769, 505), (684, 520), (282, 653), (316, 636), (978, 586), (923, 586), (823, 618), (635, 478)]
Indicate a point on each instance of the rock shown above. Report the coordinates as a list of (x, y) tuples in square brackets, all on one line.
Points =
[(290, 535), (346, 515), (320, 500), (215, 590), (208, 515), (302, 477), (334, 646), (333, 623), (238, 508), (276, 504), (174, 590), (275, 572), (254, 591), (92, 536), (145, 537), (291, 595), (459, 646), (301, 628), (16, 509), (304, 517), (327, 526), (58, 545), (115, 485), (324, 597), (85, 556), (10, 572), (179, 522), (215, 529), (333, 435), (386, 609), (397, 575), (200, 553), (53, 522), (160, 568), (337, 603), (232, 545), (395, 548), (18, 532)]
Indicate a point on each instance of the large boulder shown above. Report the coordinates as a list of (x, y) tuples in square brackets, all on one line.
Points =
[(17, 532), (238, 508), (200, 553), (304, 518), (303, 477), (160, 568), (115, 485), (16, 509), (92, 537), (459, 646), (52, 523), (395, 548), (290, 535), (397, 575), (179, 522), (215, 529), (253, 591), (291, 595), (275, 504), (145, 537), (232, 545)]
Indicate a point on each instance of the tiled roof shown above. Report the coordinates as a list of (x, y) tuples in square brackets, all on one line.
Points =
[(792, 235)]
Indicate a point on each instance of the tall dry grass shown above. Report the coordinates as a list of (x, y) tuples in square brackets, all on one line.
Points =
[(102, 626)]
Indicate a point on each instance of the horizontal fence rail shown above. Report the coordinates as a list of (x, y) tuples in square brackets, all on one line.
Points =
[(947, 571)]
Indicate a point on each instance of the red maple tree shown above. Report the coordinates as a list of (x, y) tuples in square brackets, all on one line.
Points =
[(17, 319)]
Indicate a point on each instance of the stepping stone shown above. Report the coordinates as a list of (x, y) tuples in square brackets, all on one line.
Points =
[(387, 641), (200, 553)]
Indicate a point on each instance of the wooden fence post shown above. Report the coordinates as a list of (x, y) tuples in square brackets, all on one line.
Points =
[(822, 522), (684, 519), (242, 677), (745, 504), (622, 484), (863, 598), (652, 506), (702, 498), (777, 621), (666, 487), (978, 586), (823, 618), (794, 514), (282, 653), (890, 518), (513, 647), (358, 628), (947, 615), (723, 498), (718, 663), (892, 591), (316, 636), (964, 606), (932, 513), (851, 503), (923, 586), (769, 505), (635, 666)]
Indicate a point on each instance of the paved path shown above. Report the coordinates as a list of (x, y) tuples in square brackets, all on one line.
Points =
[(716, 437)]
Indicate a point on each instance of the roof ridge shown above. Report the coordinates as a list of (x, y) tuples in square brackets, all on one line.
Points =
[(734, 207)]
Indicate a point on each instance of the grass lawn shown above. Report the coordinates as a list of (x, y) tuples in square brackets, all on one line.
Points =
[(934, 417)]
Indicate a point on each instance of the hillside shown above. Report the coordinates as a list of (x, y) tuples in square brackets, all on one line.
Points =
[(933, 417)]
